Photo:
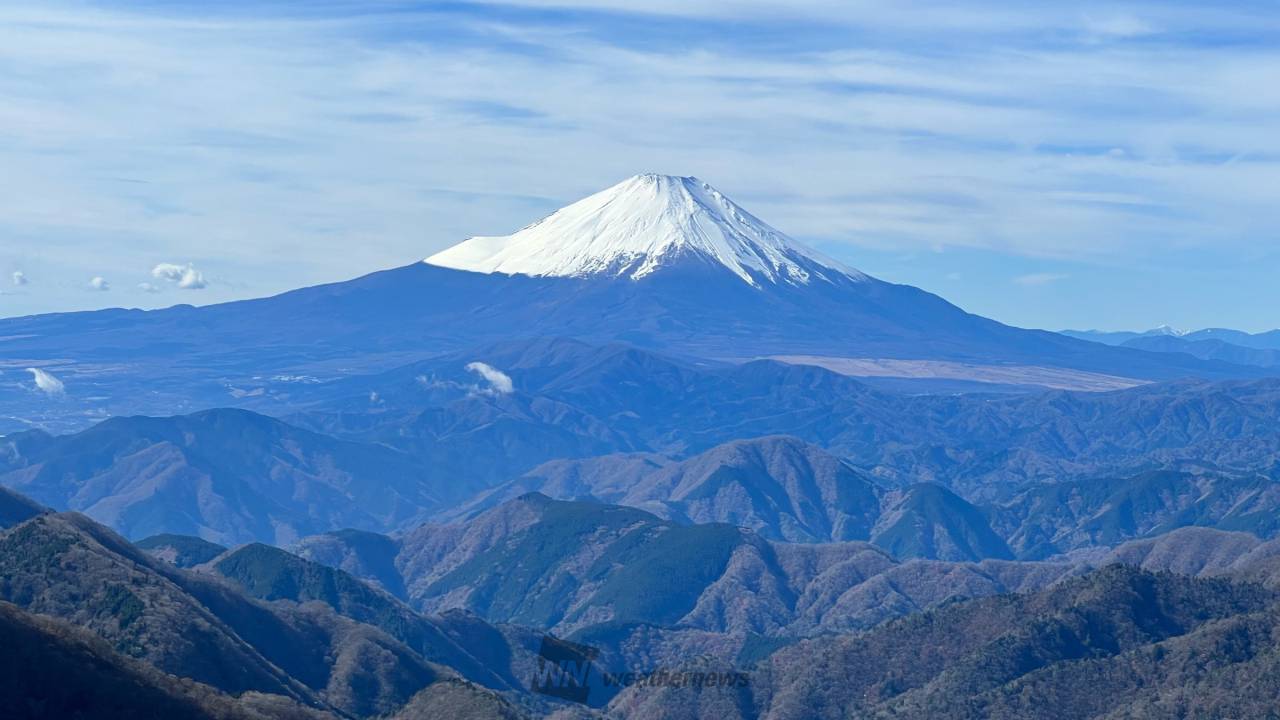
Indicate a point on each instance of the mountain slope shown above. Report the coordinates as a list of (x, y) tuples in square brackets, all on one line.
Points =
[(1120, 337), (65, 566), (571, 400), (1054, 518), (1208, 350), (458, 701), (653, 403), (784, 489), (929, 521), (779, 487), (578, 567), (15, 508), (1269, 340), (54, 670), (958, 661), (269, 573), (1204, 552), (201, 627), (1097, 646), (224, 475), (641, 225), (681, 269), (181, 550), (1233, 346), (634, 568)]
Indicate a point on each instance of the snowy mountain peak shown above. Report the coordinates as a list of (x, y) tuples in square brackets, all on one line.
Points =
[(641, 225)]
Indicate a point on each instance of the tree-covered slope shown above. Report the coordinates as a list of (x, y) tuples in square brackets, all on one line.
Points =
[(52, 670), (226, 476)]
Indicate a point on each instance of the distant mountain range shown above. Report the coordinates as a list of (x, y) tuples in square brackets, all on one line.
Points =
[(658, 262), (685, 441), (652, 433), (573, 400), (781, 487), (225, 475), (570, 566), (257, 632), (786, 490), (1257, 341), (1120, 337), (564, 565), (1232, 346)]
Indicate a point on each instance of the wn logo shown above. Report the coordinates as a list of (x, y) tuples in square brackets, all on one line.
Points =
[(564, 669)]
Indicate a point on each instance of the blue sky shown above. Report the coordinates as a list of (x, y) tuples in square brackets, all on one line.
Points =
[(1083, 165)]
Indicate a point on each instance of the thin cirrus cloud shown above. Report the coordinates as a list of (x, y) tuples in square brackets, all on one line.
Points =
[(1039, 279), (307, 142)]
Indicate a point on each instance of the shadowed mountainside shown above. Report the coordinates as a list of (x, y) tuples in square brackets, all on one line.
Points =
[(1116, 643), (16, 508), (182, 550), (225, 475), (569, 566), (780, 487), (54, 670), (200, 627)]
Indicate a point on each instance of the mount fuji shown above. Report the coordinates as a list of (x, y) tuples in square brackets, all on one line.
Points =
[(643, 225), (659, 262)]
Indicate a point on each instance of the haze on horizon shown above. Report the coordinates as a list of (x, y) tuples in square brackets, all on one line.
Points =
[(1091, 166)]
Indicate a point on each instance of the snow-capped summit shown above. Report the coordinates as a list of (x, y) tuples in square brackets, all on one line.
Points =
[(640, 225)]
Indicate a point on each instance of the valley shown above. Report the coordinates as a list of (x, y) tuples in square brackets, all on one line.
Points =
[(648, 438)]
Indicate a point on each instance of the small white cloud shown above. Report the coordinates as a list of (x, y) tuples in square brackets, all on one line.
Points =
[(430, 383), (100, 284), (46, 382), (1039, 279), (186, 276), (20, 278), (499, 382), (1117, 27), (147, 287)]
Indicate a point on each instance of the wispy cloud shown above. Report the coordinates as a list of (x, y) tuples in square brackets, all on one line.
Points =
[(287, 144), (99, 284), (20, 278), (46, 382), (1038, 279)]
